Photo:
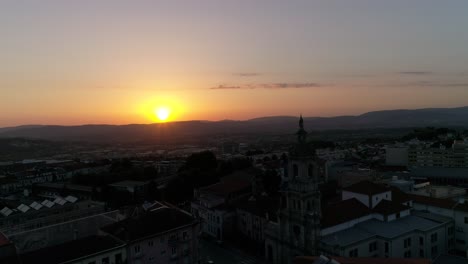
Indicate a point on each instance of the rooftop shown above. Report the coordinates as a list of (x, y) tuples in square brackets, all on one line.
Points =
[(71, 250), (341, 260), (342, 212), (386, 207), (373, 227), (127, 184), (150, 224), (367, 188), (439, 202)]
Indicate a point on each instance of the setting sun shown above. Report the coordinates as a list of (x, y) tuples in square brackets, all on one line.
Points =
[(162, 113)]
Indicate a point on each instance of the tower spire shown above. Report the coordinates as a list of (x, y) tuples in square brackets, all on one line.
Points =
[(301, 133)]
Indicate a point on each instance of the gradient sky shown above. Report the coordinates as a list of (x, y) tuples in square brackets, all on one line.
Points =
[(88, 61)]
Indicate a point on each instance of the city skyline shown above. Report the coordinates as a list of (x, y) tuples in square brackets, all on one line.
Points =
[(117, 62)]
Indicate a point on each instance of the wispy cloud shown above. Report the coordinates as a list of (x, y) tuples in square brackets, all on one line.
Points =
[(415, 73), (438, 84), (247, 74), (269, 86), (225, 87)]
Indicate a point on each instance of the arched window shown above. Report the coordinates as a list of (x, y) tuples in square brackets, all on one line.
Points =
[(310, 170), (295, 170)]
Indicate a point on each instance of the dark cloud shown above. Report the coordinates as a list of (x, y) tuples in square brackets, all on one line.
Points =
[(416, 72), (439, 84), (247, 74), (269, 86), (225, 87)]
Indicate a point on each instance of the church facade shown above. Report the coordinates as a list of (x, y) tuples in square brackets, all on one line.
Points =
[(297, 231)]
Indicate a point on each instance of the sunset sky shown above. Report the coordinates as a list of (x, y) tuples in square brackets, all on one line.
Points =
[(117, 62)]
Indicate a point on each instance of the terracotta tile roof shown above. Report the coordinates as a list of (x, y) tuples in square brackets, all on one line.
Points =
[(438, 202), (150, 224), (226, 187), (399, 196), (367, 188), (389, 207), (342, 212), (341, 260), (71, 250)]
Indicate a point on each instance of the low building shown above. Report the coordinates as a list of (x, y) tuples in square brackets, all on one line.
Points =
[(456, 210), (136, 188), (92, 249), (253, 216), (342, 260), (375, 221), (163, 235), (213, 204), (51, 190), (46, 223)]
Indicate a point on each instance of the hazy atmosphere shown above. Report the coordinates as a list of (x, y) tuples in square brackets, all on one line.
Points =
[(121, 62)]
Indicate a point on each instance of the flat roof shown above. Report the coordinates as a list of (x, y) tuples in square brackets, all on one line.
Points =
[(373, 227), (68, 251), (127, 183)]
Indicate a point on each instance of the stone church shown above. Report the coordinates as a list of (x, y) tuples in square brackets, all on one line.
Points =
[(298, 229)]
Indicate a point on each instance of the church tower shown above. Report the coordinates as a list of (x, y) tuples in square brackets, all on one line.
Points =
[(299, 216)]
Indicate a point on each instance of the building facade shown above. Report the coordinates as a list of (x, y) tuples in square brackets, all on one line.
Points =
[(298, 229)]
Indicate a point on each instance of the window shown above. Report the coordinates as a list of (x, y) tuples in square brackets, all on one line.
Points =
[(353, 253), (434, 238), (162, 239), (310, 170), (407, 242), (421, 241), (174, 250), (118, 258), (295, 170), (150, 243), (105, 260), (137, 249), (450, 230), (386, 247), (421, 253), (372, 246), (184, 235), (398, 215), (408, 254), (163, 252), (434, 251), (297, 230), (450, 242), (466, 220)]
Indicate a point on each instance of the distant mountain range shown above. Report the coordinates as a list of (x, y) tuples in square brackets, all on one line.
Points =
[(275, 125)]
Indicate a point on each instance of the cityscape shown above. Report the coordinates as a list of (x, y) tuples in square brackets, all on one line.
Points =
[(233, 132)]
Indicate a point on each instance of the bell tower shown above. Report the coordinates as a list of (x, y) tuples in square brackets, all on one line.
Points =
[(299, 216)]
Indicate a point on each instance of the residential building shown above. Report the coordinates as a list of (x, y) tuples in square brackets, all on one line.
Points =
[(456, 210), (375, 221), (442, 156), (342, 260), (162, 235), (88, 250), (253, 216), (213, 204)]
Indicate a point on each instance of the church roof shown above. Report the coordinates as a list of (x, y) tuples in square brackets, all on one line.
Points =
[(342, 212), (367, 188)]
